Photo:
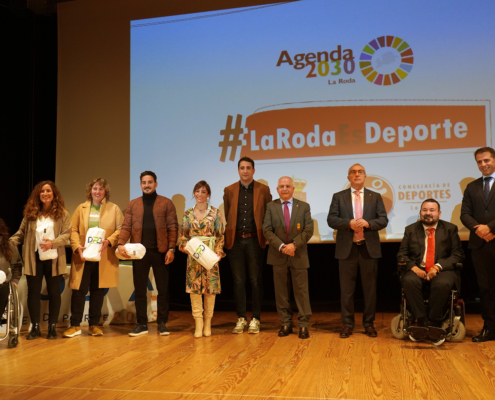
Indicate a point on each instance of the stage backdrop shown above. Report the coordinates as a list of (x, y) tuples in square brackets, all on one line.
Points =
[(305, 88)]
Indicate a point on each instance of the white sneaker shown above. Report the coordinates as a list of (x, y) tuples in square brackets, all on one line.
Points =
[(254, 326), (239, 327), (438, 342)]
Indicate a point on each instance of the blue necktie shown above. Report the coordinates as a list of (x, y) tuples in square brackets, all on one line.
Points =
[(486, 189)]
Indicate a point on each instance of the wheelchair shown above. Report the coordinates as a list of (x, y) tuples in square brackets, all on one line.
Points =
[(453, 319), (11, 316)]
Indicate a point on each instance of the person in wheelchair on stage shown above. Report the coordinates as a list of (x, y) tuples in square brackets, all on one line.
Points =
[(431, 249), (10, 264)]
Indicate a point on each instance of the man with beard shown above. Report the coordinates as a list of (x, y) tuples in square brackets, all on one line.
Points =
[(152, 221), (431, 249)]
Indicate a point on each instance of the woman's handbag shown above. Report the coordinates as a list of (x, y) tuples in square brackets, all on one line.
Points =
[(94, 243), (202, 253)]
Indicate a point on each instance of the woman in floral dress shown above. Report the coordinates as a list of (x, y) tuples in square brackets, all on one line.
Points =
[(204, 221)]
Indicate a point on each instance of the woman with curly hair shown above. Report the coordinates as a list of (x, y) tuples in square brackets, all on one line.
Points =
[(10, 263), (97, 212), (204, 222), (44, 211)]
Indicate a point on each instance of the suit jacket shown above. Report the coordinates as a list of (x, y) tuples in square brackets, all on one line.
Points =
[(300, 231), (261, 197), (477, 211), (111, 219), (448, 246), (341, 214), (166, 223)]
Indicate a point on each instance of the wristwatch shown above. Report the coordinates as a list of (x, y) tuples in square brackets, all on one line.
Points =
[(172, 250)]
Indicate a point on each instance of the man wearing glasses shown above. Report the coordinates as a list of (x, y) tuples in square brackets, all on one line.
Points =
[(357, 214)]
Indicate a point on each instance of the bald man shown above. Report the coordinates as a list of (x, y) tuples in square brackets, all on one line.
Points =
[(288, 227)]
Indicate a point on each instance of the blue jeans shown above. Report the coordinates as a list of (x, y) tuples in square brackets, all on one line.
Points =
[(247, 254)]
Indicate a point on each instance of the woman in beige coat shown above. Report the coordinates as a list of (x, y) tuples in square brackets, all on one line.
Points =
[(44, 210), (97, 211)]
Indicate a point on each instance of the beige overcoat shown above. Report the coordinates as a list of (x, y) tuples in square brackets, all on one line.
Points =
[(26, 235), (111, 219)]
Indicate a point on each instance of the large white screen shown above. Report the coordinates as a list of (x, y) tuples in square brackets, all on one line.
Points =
[(404, 89)]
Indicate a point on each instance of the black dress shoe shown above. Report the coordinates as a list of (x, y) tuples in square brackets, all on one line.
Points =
[(303, 333), (285, 331), (52, 331), (345, 332), (485, 336), (370, 331), (35, 332)]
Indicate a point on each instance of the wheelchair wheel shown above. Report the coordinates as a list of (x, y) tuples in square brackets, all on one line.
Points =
[(459, 334), (397, 327), (13, 341)]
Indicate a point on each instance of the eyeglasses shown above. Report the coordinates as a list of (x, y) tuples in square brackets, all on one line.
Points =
[(357, 172)]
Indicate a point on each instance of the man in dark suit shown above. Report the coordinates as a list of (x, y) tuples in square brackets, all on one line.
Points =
[(478, 215), (244, 205), (357, 214), (288, 227), (431, 248)]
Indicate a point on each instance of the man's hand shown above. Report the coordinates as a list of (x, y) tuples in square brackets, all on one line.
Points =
[(289, 249), (80, 251), (169, 257), (123, 251), (482, 230), (104, 245), (46, 244), (489, 237), (419, 272), (355, 226), (433, 272), (362, 223)]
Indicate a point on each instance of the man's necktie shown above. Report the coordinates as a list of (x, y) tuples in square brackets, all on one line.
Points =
[(486, 189), (430, 253), (358, 212), (287, 220)]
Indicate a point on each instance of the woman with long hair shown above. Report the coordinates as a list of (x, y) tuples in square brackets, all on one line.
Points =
[(95, 212), (10, 263), (204, 222), (43, 233)]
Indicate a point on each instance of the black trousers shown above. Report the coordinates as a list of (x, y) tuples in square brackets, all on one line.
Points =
[(440, 288), (484, 265), (140, 271), (90, 280), (44, 268), (359, 258), (4, 296), (246, 257)]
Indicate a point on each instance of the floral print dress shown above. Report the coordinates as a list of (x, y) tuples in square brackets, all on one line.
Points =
[(198, 279)]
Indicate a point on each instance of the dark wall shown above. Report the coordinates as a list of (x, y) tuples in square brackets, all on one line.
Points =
[(28, 98)]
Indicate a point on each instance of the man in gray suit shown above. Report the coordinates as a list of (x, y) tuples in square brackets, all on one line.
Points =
[(357, 214), (288, 227)]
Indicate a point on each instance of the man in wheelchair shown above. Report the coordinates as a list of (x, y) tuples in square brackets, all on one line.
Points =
[(430, 249)]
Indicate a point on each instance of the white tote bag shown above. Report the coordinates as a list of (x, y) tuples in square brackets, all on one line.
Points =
[(135, 250), (202, 253), (94, 242), (45, 231)]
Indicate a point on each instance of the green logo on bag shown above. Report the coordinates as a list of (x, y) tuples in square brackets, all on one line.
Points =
[(95, 240), (199, 251)]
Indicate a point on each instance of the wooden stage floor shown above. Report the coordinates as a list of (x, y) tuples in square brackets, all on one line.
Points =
[(264, 366)]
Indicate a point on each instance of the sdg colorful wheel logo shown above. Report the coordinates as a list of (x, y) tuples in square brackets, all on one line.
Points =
[(386, 60)]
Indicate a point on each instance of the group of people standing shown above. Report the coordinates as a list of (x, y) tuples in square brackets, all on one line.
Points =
[(253, 221)]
